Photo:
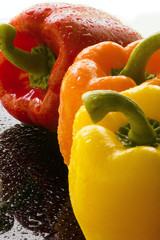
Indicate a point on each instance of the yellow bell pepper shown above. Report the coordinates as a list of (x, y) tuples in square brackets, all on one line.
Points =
[(114, 178)]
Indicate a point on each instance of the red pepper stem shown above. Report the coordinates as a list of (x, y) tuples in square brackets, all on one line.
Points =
[(136, 65), (35, 63), (100, 102)]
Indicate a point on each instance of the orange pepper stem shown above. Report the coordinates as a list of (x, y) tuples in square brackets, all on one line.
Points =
[(100, 102), (137, 62)]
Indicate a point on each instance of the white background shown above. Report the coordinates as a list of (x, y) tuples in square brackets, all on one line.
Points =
[(142, 15)]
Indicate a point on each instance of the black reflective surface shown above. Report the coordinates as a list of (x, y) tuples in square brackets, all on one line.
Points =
[(35, 201)]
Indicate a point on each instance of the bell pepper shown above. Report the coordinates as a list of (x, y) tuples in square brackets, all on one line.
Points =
[(114, 172), (56, 33), (92, 69)]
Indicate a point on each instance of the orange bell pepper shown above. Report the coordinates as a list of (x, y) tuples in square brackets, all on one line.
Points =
[(91, 71)]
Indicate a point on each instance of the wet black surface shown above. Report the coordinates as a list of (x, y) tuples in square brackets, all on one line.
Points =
[(35, 197)]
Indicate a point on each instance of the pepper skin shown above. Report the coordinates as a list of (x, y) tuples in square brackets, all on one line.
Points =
[(65, 29), (114, 189), (91, 70)]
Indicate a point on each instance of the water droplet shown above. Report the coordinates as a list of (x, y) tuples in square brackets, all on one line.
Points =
[(30, 12)]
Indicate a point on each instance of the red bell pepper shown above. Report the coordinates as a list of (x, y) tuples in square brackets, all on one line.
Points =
[(30, 82)]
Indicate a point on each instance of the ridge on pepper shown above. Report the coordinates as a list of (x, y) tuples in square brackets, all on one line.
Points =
[(65, 29)]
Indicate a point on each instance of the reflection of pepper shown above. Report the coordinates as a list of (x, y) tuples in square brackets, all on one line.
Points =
[(65, 29), (114, 178), (91, 71), (35, 184)]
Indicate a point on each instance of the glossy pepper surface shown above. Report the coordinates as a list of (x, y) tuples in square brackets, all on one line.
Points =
[(114, 172), (64, 30), (92, 69)]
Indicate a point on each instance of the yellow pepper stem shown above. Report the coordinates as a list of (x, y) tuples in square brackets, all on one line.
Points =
[(136, 65), (100, 102)]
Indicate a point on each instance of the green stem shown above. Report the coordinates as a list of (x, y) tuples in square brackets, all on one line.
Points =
[(136, 65), (100, 102), (33, 63)]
